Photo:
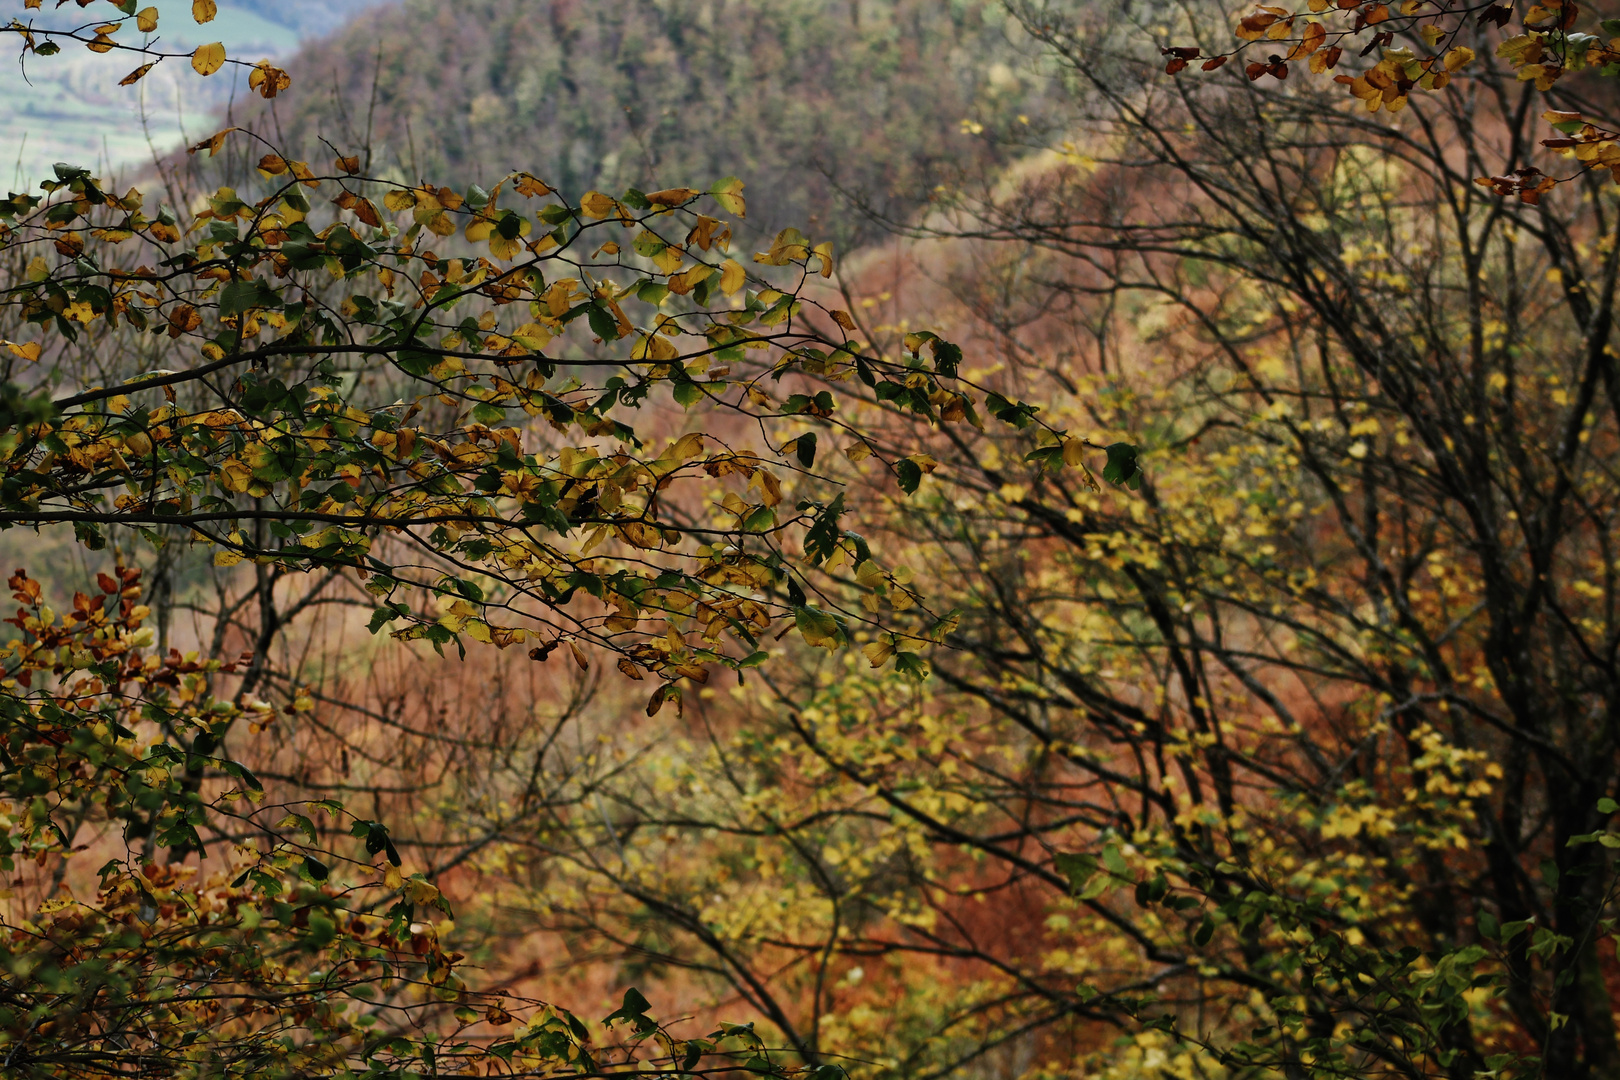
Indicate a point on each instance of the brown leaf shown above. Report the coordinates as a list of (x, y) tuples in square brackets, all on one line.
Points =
[(268, 80), (667, 692), (671, 196), (212, 143)]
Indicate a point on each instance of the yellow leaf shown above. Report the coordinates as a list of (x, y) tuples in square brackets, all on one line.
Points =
[(146, 20), (208, 58), (204, 10), (225, 557), (597, 205), (652, 347), (502, 248), (690, 278), (28, 350), (728, 193), (732, 277), (234, 475), (136, 75), (1457, 57), (878, 652), (528, 186), (818, 628), (824, 251)]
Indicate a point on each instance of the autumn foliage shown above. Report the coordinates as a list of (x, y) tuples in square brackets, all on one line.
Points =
[(1154, 616)]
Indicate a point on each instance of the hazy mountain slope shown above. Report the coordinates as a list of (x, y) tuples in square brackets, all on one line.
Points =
[(70, 106), (794, 96)]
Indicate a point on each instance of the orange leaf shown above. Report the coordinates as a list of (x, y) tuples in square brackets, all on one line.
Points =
[(1314, 38)]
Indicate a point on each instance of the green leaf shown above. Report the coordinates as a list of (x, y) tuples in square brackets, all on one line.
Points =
[(909, 475), (603, 324), (633, 1012), (912, 666), (821, 539), (805, 448), (385, 615), (1079, 869), (818, 627), (301, 823), (687, 394), (1608, 806), (1114, 860), (488, 415), (1019, 416), (1122, 467), (240, 296)]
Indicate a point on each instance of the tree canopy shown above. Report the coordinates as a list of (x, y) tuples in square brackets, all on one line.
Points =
[(1194, 656)]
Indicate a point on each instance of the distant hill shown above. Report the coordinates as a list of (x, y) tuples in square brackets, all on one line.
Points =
[(70, 106), (800, 98)]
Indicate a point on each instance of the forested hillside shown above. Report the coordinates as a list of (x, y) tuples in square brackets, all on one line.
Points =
[(881, 100)]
